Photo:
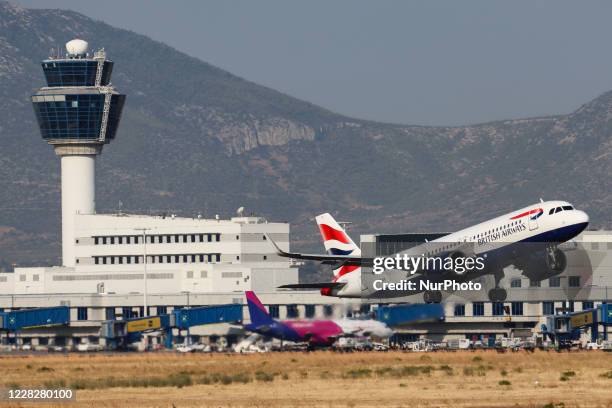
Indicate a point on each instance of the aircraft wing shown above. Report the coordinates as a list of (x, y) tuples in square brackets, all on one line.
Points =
[(325, 258), (317, 285)]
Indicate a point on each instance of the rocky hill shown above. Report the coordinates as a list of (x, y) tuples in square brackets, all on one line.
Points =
[(195, 138)]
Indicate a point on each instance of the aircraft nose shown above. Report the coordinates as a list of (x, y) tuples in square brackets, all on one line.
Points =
[(583, 218)]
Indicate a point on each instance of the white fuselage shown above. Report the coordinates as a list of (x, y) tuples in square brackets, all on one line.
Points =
[(549, 221)]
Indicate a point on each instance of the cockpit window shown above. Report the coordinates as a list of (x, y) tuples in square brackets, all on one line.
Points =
[(558, 209), (567, 207), (551, 212)]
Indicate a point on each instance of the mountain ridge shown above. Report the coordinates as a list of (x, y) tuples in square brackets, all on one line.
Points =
[(208, 141)]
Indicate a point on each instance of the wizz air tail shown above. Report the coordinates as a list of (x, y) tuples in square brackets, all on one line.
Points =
[(335, 239), (257, 311)]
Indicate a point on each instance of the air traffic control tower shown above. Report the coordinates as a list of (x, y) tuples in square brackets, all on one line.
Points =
[(78, 113)]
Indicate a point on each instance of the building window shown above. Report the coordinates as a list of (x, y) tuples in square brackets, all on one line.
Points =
[(237, 237), (161, 310), (365, 308), (587, 305), (459, 310), (217, 237), (193, 238), (103, 240), (264, 238), (96, 260), (203, 274), (548, 308), (292, 311), (81, 313), (554, 282), (35, 278), (517, 308), (265, 257), (498, 309), (328, 310), (534, 283), (515, 283), (569, 306), (189, 274), (201, 258), (110, 313), (96, 240), (478, 309), (274, 311), (112, 240), (574, 281), (22, 278), (126, 312), (309, 311), (218, 257)]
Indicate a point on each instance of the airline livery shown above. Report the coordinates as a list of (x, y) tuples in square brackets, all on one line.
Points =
[(527, 238), (314, 332)]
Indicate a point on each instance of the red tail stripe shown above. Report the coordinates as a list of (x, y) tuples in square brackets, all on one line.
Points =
[(347, 269), (535, 210), (329, 233)]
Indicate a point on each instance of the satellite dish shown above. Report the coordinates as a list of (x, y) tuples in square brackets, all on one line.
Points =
[(77, 47), (240, 211)]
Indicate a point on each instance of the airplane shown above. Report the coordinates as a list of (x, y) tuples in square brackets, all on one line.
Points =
[(317, 333), (528, 239)]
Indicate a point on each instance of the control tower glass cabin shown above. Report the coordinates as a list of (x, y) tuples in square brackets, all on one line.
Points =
[(78, 112)]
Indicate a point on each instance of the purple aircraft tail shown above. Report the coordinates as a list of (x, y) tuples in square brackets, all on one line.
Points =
[(258, 312)]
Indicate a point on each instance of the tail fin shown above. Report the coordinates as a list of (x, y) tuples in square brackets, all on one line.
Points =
[(257, 311), (335, 239), (337, 242)]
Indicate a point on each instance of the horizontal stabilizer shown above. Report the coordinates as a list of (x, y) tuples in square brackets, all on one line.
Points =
[(321, 285), (328, 259)]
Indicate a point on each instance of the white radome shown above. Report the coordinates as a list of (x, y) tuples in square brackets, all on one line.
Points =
[(77, 47)]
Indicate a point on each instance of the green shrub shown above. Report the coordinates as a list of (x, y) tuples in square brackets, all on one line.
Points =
[(607, 374), (358, 373), (263, 376), (504, 382)]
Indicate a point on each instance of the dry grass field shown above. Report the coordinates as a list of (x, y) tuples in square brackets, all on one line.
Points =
[(321, 379)]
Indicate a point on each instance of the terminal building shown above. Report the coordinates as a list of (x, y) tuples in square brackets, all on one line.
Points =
[(119, 266)]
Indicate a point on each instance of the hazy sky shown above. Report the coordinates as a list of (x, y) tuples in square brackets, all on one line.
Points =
[(417, 62)]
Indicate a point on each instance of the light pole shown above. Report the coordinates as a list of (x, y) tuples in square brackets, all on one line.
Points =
[(188, 339), (600, 284), (144, 258)]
